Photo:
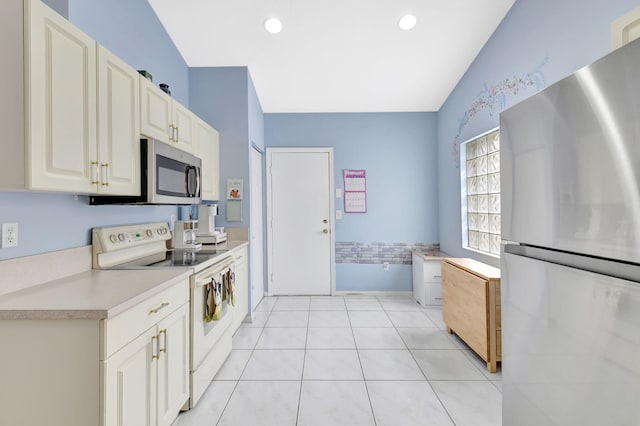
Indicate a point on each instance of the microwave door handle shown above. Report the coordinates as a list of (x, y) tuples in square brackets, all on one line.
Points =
[(195, 194), (194, 170)]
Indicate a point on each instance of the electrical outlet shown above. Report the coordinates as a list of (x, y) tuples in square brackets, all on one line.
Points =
[(9, 235), (385, 266)]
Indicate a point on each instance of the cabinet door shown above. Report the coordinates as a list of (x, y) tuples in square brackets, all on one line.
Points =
[(173, 365), (241, 309), (208, 149), (183, 122), (155, 112), (118, 125), (130, 383), (61, 98)]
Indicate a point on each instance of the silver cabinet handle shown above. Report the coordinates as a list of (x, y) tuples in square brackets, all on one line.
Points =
[(177, 134), (325, 231), (437, 276)]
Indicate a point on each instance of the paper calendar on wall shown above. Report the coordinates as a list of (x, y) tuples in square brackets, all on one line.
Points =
[(355, 191)]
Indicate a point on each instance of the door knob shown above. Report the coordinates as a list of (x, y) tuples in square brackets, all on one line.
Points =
[(325, 231), (325, 221)]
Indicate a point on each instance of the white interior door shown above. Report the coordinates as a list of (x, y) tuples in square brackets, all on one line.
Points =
[(300, 221), (256, 230)]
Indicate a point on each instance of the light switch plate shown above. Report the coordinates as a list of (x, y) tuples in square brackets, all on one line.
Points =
[(338, 214), (338, 192)]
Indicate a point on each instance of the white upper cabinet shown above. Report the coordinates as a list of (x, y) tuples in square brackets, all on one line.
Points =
[(118, 125), (61, 102), (183, 121), (208, 149), (164, 119), (79, 129)]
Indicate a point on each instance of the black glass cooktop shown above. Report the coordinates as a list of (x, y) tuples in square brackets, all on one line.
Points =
[(174, 258)]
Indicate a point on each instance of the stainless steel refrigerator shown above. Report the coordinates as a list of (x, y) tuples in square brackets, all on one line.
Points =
[(570, 178)]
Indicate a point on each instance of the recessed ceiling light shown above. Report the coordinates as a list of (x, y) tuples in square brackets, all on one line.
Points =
[(273, 25), (407, 22)]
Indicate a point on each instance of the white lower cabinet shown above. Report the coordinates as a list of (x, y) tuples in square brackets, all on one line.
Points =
[(241, 308), (130, 383), (173, 365), (131, 369), (427, 287), (147, 381)]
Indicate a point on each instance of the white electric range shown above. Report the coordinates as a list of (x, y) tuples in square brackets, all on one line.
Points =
[(144, 246)]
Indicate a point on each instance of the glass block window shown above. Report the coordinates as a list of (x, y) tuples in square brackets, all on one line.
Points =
[(480, 179)]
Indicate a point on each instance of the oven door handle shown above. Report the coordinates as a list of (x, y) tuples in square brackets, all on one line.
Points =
[(203, 280)]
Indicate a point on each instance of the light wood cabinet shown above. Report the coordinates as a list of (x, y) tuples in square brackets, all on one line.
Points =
[(165, 119), (208, 149), (241, 308), (471, 306), (74, 124)]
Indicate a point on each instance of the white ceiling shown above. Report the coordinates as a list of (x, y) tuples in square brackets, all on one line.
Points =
[(337, 55)]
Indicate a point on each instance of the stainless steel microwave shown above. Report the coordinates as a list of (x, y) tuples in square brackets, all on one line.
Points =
[(168, 176)]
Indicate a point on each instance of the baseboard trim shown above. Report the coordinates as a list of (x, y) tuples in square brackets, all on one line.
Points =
[(372, 293)]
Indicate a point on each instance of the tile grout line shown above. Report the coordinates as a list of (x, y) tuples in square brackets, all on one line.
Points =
[(304, 358), (422, 371), (245, 367), (429, 382), (364, 379)]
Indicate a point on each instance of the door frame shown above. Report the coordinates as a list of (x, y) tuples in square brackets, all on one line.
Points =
[(253, 248), (321, 150)]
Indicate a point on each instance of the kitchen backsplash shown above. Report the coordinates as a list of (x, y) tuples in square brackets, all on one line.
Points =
[(371, 253)]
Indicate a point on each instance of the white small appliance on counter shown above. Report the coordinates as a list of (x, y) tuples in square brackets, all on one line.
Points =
[(184, 235), (207, 233)]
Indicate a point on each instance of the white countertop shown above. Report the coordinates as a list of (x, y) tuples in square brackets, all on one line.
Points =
[(89, 294), (93, 294), (431, 254)]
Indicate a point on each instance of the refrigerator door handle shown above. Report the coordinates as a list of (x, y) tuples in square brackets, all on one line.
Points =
[(618, 269)]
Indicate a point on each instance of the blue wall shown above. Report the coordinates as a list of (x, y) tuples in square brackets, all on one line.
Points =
[(399, 153), (567, 34), (131, 30), (220, 97), (60, 6)]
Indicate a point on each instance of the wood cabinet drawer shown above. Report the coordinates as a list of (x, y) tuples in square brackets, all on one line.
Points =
[(464, 307), (126, 326), (432, 271)]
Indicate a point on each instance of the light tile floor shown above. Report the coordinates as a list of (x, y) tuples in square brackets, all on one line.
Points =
[(352, 360)]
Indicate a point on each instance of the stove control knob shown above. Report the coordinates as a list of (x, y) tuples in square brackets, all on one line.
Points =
[(121, 237), (149, 233), (113, 238)]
